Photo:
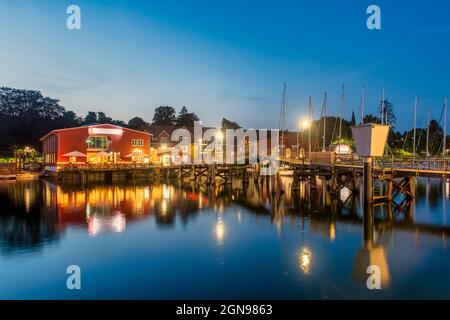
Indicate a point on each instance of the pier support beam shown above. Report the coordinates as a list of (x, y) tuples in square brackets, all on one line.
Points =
[(368, 180)]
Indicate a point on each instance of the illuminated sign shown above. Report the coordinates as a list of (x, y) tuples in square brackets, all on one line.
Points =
[(112, 132)]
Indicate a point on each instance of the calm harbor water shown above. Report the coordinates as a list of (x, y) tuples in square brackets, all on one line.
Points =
[(187, 241)]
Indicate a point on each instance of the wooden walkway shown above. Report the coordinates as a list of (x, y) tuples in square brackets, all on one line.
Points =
[(433, 168)]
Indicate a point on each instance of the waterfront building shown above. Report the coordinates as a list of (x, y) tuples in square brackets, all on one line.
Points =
[(97, 143)]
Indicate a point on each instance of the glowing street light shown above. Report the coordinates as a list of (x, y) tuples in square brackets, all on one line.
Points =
[(305, 123)]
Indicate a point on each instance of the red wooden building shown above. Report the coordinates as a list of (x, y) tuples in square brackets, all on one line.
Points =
[(94, 144)]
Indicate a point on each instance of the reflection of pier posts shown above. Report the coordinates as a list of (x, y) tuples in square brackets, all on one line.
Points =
[(82, 177), (389, 189), (368, 225), (257, 172)]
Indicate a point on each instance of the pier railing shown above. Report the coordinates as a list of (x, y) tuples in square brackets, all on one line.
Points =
[(435, 165), (413, 164), (105, 166)]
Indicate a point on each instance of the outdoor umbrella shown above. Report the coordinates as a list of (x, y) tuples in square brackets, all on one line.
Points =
[(74, 154)]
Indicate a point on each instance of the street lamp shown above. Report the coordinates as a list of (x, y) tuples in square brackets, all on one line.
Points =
[(306, 124)]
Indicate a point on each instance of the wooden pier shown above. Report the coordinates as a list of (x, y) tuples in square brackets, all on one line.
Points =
[(396, 177)]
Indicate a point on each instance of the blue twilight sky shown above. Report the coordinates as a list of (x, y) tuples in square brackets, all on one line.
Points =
[(228, 58)]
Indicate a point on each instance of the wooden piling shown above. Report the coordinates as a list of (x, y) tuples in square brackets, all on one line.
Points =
[(368, 181)]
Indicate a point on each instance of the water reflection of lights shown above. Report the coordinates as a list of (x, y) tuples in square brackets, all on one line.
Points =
[(305, 260), (332, 232), (28, 199), (239, 216), (166, 192), (146, 193), (164, 205), (114, 223), (447, 188), (220, 231)]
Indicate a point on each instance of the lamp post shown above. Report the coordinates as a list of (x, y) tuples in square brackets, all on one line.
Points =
[(298, 146), (306, 125)]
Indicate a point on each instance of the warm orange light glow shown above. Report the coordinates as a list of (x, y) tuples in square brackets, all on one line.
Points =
[(305, 123), (220, 231), (305, 260)]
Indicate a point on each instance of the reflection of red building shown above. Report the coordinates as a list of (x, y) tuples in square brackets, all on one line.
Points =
[(95, 143)]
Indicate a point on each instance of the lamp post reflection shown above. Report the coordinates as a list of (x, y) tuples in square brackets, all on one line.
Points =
[(98, 224), (305, 260), (305, 254), (371, 253), (220, 231)]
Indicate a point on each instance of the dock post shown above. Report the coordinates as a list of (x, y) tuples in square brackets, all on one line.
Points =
[(193, 173), (389, 189), (208, 174), (244, 175), (411, 188), (368, 180)]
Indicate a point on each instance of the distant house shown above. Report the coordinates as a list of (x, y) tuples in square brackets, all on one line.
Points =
[(95, 144), (162, 145)]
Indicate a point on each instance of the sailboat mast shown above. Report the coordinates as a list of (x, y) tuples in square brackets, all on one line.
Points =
[(341, 113), (382, 106), (363, 101), (415, 117), (282, 113), (428, 131), (310, 126), (444, 144), (324, 109)]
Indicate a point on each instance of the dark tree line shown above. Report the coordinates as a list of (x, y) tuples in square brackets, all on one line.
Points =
[(27, 115)]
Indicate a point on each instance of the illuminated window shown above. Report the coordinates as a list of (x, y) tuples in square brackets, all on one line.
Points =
[(137, 142), (98, 142)]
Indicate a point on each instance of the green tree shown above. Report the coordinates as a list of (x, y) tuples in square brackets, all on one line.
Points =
[(138, 124), (227, 124), (186, 118), (387, 110), (102, 118), (164, 116), (90, 118), (435, 139), (331, 132), (353, 121), (119, 123), (370, 118), (25, 116), (69, 119)]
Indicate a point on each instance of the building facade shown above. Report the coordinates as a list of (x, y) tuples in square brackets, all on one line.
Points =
[(100, 143)]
